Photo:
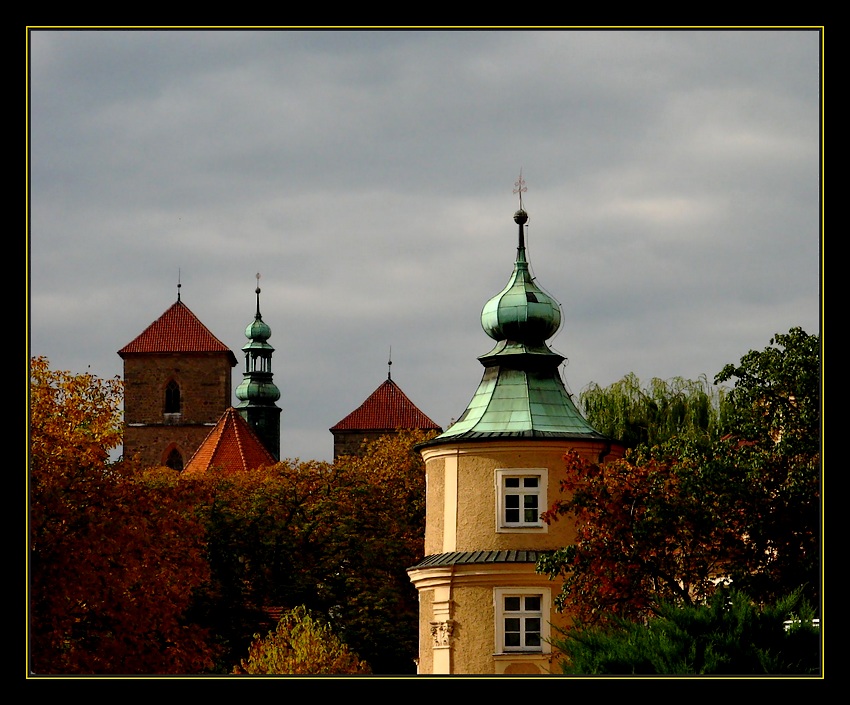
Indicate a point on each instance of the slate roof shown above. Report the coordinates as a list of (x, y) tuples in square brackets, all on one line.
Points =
[(178, 330), (232, 446), (478, 557), (386, 409)]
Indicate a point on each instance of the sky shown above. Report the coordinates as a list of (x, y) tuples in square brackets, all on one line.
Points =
[(672, 181)]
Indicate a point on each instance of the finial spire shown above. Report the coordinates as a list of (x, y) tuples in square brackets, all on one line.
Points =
[(178, 284), (257, 291), (390, 364), (519, 187), (520, 217)]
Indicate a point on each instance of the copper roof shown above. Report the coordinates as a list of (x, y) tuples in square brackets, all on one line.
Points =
[(386, 409), (232, 446), (176, 330)]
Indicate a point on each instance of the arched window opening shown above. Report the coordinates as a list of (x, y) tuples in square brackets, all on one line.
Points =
[(174, 460), (172, 398)]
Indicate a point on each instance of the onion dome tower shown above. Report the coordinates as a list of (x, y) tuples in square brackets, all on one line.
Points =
[(483, 608), (257, 392), (521, 394)]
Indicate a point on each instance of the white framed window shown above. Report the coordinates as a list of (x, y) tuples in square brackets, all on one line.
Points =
[(520, 499), (522, 620)]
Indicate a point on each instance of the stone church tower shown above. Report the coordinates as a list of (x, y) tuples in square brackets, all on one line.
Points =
[(177, 384)]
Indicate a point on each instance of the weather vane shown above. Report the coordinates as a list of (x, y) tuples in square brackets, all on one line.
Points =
[(519, 187)]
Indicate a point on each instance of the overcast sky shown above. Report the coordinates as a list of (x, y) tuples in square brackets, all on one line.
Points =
[(672, 180)]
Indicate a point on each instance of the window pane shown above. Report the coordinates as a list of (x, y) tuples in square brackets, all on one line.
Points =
[(512, 501), (532, 625), (512, 639), (512, 515), (532, 639), (532, 603), (530, 481), (511, 482), (512, 605)]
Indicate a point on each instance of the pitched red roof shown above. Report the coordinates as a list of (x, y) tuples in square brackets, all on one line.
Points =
[(176, 330), (232, 446), (386, 409)]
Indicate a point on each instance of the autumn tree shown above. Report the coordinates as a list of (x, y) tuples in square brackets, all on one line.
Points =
[(301, 644), (669, 521), (112, 562), (334, 537)]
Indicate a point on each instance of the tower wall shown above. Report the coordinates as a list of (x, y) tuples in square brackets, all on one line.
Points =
[(205, 392)]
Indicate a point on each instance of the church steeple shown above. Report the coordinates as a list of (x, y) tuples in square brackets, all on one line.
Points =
[(257, 392)]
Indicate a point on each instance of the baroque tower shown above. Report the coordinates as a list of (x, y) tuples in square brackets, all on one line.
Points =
[(483, 607)]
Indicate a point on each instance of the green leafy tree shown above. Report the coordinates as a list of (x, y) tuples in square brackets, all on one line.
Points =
[(651, 415), (301, 644), (112, 561), (729, 635)]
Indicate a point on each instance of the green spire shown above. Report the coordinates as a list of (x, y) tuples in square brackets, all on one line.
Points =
[(257, 392), (521, 393)]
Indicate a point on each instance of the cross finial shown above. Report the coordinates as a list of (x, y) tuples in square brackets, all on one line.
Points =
[(519, 187)]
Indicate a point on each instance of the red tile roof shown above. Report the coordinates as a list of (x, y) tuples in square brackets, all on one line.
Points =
[(386, 409), (176, 330), (232, 446)]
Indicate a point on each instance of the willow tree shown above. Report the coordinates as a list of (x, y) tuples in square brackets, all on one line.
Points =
[(651, 415)]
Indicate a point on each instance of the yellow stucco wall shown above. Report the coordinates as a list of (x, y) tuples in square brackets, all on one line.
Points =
[(461, 505), (466, 599), (469, 523)]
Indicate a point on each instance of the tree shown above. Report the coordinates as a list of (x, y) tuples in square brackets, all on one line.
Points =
[(112, 561), (672, 521), (773, 430), (665, 409), (729, 635), (300, 644), (336, 538)]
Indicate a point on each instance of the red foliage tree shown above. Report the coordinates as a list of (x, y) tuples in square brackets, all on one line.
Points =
[(112, 560)]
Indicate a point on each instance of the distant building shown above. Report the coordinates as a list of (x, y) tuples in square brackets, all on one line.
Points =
[(177, 384), (483, 608), (385, 411), (178, 389)]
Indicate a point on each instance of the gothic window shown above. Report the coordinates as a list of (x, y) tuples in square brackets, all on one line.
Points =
[(172, 398)]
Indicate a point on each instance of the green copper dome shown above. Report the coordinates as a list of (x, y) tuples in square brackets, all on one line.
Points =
[(521, 394), (522, 311)]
